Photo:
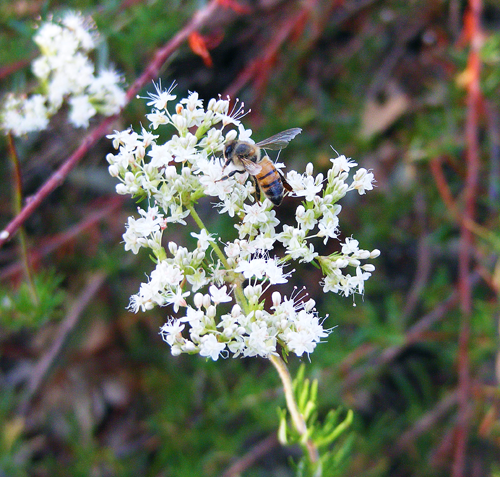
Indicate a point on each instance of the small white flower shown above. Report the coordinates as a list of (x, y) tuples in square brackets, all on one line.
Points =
[(197, 279), (219, 295), (177, 299), (233, 117), (259, 342), (204, 238), (22, 116), (342, 164), (253, 268), (306, 219), (245, 134), (275, 273), (358, 282), (351, 246), (170, 331), (162, 97), (328, 227), (210, 347), (363, 181)]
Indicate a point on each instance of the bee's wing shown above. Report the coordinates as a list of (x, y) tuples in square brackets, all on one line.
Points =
[(280, 140), (250, 166)]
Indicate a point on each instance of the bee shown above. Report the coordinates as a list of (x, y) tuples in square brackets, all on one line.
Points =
[(263, 172)]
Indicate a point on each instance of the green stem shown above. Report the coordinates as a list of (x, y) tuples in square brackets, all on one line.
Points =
[(297, 417), (238, 290), (18, 203), (213, 244)]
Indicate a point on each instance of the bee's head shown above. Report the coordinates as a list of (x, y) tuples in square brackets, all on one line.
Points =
[(229, 149), (235, 150)]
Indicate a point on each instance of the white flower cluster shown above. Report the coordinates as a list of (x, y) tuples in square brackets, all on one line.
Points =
[(65, 73), (231, 316)]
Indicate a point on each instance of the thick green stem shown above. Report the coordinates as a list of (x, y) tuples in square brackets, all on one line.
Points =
[(297, 417)]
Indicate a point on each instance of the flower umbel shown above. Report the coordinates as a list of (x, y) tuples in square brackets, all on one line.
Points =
[(221, 288), (65, 73)]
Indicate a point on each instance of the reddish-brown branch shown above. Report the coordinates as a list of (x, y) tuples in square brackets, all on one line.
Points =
[(253, 455), (426, 422), (43, 248), (470, 192), (442, 186), (413, 335), (199, 19), (13, 67), (39, 372), (259, 69), (423, 260)]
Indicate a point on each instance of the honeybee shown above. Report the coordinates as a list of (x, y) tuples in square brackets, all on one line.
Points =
[(261, 169)]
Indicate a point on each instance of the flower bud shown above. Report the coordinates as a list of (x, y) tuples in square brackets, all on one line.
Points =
[(173, 247), (189, 347), (211, 312), (206, 301), (114, 170), (231, 135), (236, 311), (363, 254), (198, 300)]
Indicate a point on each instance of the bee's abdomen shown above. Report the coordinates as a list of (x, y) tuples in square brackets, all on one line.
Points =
[(271, 185)]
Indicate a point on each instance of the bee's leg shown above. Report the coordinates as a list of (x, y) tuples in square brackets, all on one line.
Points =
[(286, 185), (228, 161), (257, 192), (231, 174)]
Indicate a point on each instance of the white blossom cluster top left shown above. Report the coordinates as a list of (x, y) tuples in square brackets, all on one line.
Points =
[(218, 286), (64, 73)]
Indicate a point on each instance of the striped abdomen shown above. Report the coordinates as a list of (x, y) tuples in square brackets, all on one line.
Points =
[(270, 182)]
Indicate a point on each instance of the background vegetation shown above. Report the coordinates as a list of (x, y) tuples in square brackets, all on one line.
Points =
[(88, 388)]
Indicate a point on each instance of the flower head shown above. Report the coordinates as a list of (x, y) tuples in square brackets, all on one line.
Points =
[(219, 292), (65, 73)]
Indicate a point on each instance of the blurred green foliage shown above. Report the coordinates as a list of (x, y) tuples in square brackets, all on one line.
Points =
[(27, 308)]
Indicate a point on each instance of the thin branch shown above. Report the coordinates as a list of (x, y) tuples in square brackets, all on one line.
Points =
[(442, 186), (259, 68), (423, 261), (44, 247), (474, 101), (413, 335), (253, 455), (40, 370), (199, 19), (425, 423)]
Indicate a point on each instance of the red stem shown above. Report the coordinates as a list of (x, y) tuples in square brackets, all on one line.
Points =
[(470, 192)]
